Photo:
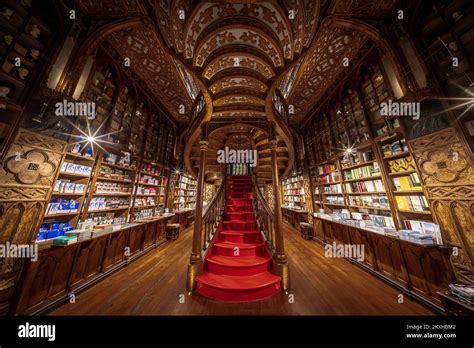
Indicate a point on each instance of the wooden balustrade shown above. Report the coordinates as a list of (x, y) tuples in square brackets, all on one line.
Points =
[(265, 216), (213, 215)]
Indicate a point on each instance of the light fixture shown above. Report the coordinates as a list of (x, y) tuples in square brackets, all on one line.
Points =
[(91, 139)]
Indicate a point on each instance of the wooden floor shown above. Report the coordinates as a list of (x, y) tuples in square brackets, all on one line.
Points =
[(155, 285)]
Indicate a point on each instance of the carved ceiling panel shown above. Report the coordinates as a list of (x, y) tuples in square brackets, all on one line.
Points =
[(240, 60), (154, 67), (232, 35), (206, 14), (365, 8), (112, 8), (238, 82), (238, 113), (238, 100), (323, 64)]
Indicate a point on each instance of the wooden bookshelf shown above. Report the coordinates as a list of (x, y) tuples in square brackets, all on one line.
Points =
[(185, 187), (24, 43)]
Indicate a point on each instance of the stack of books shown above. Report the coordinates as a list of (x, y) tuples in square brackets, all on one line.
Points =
[(464, 293)]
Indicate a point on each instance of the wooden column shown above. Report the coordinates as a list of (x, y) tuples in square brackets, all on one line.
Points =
[(196, 261), (280, 259)]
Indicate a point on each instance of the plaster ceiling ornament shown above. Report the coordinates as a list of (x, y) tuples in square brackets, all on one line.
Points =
[(238, 60), (323, 64), (238, 82), (156, 68), (231, 35), (238, 99), (206, 14)]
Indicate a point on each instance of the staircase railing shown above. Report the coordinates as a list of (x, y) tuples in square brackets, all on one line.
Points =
[(265, 216), (212, 216)]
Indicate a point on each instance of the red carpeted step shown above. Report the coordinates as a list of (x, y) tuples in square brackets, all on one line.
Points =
[(239, 201), (226, 248), (239, 208), (238, 266), (239, 236), (238, 289), (239, 225), (243, 216)]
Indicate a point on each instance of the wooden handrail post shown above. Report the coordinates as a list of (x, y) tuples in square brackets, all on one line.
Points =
[(280, 261), (195, 266)]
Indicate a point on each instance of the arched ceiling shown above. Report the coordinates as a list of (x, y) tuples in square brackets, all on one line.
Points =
[(237, 51)]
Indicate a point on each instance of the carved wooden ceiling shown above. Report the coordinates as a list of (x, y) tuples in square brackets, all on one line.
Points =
[(236, 50)]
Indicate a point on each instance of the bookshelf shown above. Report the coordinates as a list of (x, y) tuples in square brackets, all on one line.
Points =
[(184, 192), (24, 42), (149, 200), (111, 192), (403, 180), (330, 187), (69, 193), (293, 193), (102, 91)]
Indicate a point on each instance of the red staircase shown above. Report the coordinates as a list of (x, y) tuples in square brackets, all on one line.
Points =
[(238, 266)]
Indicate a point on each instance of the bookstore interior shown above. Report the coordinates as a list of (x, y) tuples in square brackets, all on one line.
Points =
[(255, 157)]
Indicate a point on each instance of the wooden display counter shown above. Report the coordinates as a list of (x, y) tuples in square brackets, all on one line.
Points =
[(293, 216), (184, 218), (63, 271), (418, 270)]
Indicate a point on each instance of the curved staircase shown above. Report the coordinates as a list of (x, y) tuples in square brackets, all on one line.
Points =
[(238, 267)]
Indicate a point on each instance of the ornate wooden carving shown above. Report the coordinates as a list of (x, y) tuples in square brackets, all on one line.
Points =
[(26, 178), (448, 178)]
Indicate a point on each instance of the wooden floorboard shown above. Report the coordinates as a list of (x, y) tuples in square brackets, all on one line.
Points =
[(155, 285)]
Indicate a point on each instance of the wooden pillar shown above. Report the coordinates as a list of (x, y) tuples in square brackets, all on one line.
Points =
[(280, 260), (196, 262)]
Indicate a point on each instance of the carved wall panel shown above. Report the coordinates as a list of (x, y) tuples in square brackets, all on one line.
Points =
[(448, 177), (26, 178)]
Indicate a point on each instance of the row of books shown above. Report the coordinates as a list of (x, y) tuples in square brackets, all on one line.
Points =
[(326, 168), (362, 172), (361, 158), (336, 188), (294, 198), (394, 148), (330, 178), (413, 203), (369, 201), (296, 191), (407, 183), (294, 179), (365, 186), (405, 164)]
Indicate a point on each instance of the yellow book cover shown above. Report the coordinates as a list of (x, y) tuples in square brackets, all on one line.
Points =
[(402, 203), (405, 183)]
